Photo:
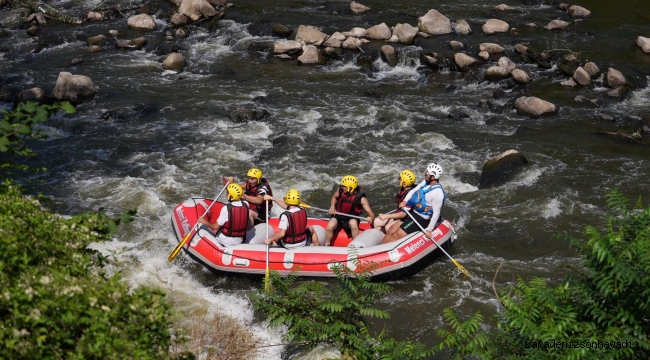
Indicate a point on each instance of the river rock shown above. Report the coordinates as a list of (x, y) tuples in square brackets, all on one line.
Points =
[(95, 48), (356, 32), (570, 82), (462, 27), (464, 61), (556, 24), (456, 45), (484, 55), (311, 56), (40, 18), (506, 63), (592, 69), (501, 169), (281, 30), (619, 93), (96, 40), (73, 88), (496, 73), (94, 16), (174, 61), (503, 7), (520, 48), (379, 32), (220, 3), (405, 33), (581, 76), (32, 31), (358, 9), (495, 26), (333, 42), (134, 44), (310, 36), (434, 23), (287, 47), (490, 48), (432, 60), (180, 33), (532, 106), (389, 55), (141, 22), (195, 9), (178, 19), (246, 115), (644, 44), (34, 94), (351, 43), (614, 78), (520, 76), (578, 11)]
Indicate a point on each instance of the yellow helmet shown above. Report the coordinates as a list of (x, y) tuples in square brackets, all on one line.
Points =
[(256, 173), (235, 192), (407, 178), (350, 182), (292, 197)]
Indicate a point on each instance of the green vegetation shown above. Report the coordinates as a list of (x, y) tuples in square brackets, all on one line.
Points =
[(319, 312), (56, 301), (600, 311)]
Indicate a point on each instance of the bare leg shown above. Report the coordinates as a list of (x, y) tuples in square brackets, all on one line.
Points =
[(354, 228), (393, 234), (380, 224), (252, 215), (314, 237), (391, 223), (329, 232)]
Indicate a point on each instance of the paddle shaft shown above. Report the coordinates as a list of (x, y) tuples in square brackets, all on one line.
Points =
[(460, 267), (180, 245), (336, 212), (267, 280)]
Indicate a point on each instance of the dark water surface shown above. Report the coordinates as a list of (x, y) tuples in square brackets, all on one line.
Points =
[(151, 139)]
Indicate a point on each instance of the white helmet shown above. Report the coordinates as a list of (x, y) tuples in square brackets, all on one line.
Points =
[(435, 170)]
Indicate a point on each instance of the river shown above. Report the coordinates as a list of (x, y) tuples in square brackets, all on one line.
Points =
[(152, 138)]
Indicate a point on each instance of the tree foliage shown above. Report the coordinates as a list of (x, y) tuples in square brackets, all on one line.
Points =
[(17, 126), (600, 311), (315, 312)]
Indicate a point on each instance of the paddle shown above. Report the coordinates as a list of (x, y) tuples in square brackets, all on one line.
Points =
[(306, 206), (180, 245), (460, 267), (267, 278)]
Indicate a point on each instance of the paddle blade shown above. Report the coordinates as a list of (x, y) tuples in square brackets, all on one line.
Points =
[(178, 247), (304, 206), (267, 281), (461, 268)]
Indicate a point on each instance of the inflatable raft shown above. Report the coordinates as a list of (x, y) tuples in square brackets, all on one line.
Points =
[(397, 259)]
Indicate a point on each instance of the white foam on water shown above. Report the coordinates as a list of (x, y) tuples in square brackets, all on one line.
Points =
[(551, 208), (302, 120), (341, 67), (402, 72)]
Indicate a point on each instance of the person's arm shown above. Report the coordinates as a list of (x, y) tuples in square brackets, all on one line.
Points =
[(410, 194), (223, 217), (282, 230), (281, 203), (366, 206), (333, 200), (398, 215)]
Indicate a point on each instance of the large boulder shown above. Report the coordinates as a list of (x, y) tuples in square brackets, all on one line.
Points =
[(379, 32), (581, 76), (141, 22), (335, 40), (495, 26), (578, 11), (405, 33), (592, 69), (644, 44), (33, 94), (389, 55), (195, 9), (496, 73), (520, 76), (352, 43), (73, 88), (174, 61), (310, 36), (464, 61), (491, 48), (501, 169), (434, 23), (614, 78), (311, 56), (358, 9), (462, 27), (532, 106), (287, 47), (506, 63), (556, 24)]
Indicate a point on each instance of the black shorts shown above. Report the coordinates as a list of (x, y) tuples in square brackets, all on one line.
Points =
[(409, 226), (343, 222)]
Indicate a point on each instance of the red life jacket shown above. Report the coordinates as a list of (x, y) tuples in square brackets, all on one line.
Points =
[(253, 191), (401, 194), (237, 221), (297, 229), (350, 203)]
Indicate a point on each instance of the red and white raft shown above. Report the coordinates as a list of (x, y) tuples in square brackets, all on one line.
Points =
[(397, 259)]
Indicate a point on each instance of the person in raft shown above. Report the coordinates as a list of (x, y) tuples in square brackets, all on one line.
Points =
[(386, 222), (348, 199), (293, 231), (233, 220), (254, 190), (425, 203)]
